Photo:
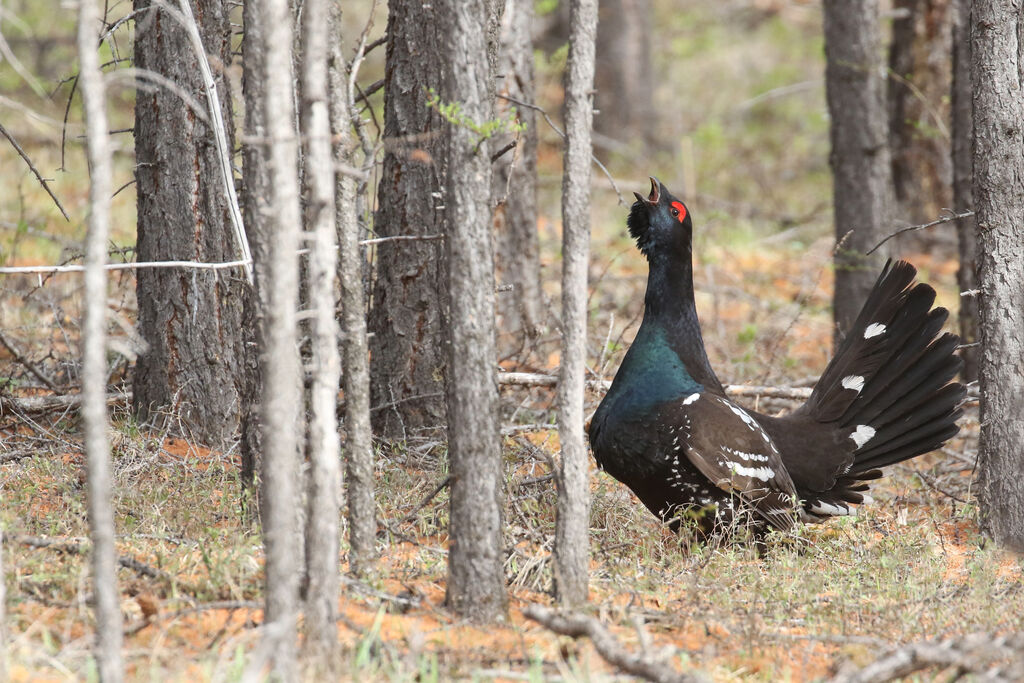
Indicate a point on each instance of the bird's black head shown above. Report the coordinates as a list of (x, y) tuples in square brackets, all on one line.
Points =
[(660, 223)]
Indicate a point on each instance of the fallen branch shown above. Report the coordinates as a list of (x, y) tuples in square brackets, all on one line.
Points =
[(996, 658), (578, 626), (76, 546), (44, 404), (32, 167)]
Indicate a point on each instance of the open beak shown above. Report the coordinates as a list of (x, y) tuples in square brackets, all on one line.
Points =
[(655, 193)]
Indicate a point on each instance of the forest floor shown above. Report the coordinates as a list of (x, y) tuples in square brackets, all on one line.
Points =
[(911, 566)]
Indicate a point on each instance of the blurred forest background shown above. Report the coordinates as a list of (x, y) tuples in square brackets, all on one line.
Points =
[(724, 101)]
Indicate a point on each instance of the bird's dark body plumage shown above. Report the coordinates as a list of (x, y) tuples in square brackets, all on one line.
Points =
[(666, 429)]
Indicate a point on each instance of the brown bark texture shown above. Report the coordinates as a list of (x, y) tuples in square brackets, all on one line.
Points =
[(476, 584), (624, 78), (359, 454), (920, 78), (855, 90), (514, 186), (190, 319), (321, 25), (106, 596), (997, 69), (963, 174), (408, 359), (572, 521)]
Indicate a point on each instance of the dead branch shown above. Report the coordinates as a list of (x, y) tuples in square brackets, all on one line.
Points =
[(77, 546), (579, 625), (953, 216), (44, 404), (543, 112), (32, 167), (26, 363), (996, 658)]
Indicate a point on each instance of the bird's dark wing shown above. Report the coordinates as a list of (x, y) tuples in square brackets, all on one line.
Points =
[(735, 453)]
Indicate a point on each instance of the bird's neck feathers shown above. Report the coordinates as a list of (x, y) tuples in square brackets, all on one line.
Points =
[(669, 305)]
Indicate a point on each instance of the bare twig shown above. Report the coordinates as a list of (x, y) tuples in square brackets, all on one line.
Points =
[(953, 216), (27, 364), (543, 112), (73, 268), (578, 626), (426, 500), (42, 181)]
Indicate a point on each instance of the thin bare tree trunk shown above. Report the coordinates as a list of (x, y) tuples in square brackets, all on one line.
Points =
[(572, 523), (255, 197), (963, 174), (625, 79), (997, 69), (282, 384), (862, 174), (94, 358), (355, 346), (321, 604), (514, 186), (476, 586)]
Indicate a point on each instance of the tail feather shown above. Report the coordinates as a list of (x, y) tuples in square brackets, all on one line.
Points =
[(889, 393)]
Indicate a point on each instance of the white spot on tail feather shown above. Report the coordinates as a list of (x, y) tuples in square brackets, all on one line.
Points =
[(862, 434), (855, 382), (690, 399), (873, 330)]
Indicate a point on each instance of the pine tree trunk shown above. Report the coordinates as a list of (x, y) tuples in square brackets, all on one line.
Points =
[(514, 187), (321, 25), (106, 596), (624, 77), (282, 383), (963, 172), (362, 511), (855, 89), (918, 98), (476, 585), (190, 319), (408, 367), (997, 68), (572, 523)]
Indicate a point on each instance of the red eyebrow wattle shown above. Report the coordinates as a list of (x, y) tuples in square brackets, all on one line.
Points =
[(682, 210)]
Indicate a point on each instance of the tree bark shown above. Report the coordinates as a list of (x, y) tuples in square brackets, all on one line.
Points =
[(476, 585), (408, 366), (514, 186), (918, 98), (320, 25), (963, 173), (624, 77), (997, 67), (190, 319), (282, 383), (3, 614), (855, 89), (94, 357), (362, 511), (572, 523), (256, 207)]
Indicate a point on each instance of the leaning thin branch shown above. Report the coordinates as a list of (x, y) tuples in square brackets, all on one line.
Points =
[(42, 181), (26, 363), (76, 268), (188, 22), (953, 216), (579, 626), (543, 112)]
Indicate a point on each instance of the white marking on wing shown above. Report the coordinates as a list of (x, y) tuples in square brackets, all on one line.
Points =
[(762, 473), (690, 399), (822, 508)]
